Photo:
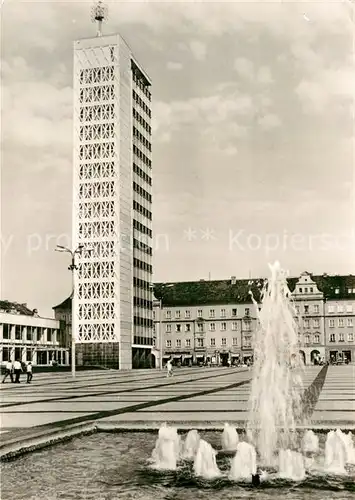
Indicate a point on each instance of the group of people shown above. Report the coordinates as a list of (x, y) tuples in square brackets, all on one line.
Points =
[(14, 370)]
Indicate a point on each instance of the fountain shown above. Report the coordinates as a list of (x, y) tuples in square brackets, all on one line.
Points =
[(244, 463), (275, 410), (291, 465), (310, 443), (167, 449), (230, 438), (335, 454), (191, 445), (205, 464), (276, 389)]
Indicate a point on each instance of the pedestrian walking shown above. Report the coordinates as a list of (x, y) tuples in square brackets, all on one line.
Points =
[(9, 370), (29, 372), (169, 368), (17, 371)]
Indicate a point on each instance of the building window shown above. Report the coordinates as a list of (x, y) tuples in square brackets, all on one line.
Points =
[(223, 313), (330, 309), (332, 323), (341, 322), (332, 337), (224, 341), (49, 335), (178, 328), (235, 341), (18, 332), (6, 353), (29, 333), (316, 323), (213, 342), (187, 314), (39, 334), (306, 323), (188, 342), (177, 314), (316, 339), (234, 325), (306, 309), (223, 326), (6, 332), (301, 290), (341, 337), (154, 342), (340, 308), (168, 329), (306, 290), (234, 312), (306, 339), (200, 327), (178, 342), (168, 314), (316, 309), (212, 327), (311, 289), (200, 343), (247, 311), (297, 310), (154, 315), (350, 322), (212, 313), (337, 290), (199, 313), (350, 337), (187, 327), (168, 343)]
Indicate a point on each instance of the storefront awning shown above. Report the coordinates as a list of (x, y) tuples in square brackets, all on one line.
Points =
[(187, 356), (166, 357), (200, 355), (177, 356), (235, 355)]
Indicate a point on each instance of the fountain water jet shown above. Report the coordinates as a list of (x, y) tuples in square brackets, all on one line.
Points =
[(276, 389), (244, 462), (167, 449), (205, 464), (310, 442), (191, 445), (335, 454), (291, 465), (230, 438)]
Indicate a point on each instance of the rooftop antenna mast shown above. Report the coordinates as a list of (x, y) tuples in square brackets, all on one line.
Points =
[(99, 14)]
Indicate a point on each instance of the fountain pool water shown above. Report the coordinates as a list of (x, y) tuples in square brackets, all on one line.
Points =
[(106, 466)]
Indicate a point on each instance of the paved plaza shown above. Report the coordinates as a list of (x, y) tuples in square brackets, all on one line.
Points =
[(197, 396)]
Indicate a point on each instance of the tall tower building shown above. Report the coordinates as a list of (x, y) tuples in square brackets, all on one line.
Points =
[(112, 205)]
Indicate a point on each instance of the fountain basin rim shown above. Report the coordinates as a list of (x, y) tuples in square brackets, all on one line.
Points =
[(15, 444)]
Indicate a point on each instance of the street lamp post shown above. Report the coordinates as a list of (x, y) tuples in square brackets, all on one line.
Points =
[(72, 267)]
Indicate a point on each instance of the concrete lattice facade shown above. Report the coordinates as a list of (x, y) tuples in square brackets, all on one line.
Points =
[(112, 303), (220, 331)]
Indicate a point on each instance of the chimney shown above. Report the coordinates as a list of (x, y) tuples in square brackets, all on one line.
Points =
[(233, 280)]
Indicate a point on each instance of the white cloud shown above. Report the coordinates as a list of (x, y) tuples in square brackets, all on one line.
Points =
[(264, 75), (198, 49), (244, 67), (269, 121), (174, 66)]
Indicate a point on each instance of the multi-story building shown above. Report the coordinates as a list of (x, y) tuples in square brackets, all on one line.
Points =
[(112, 205), (214, 321), (27, 337)]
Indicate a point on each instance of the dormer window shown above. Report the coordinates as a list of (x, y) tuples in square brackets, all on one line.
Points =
[(301, 290)]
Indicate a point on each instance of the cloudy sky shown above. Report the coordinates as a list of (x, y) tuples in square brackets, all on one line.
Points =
[(253, 137)]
